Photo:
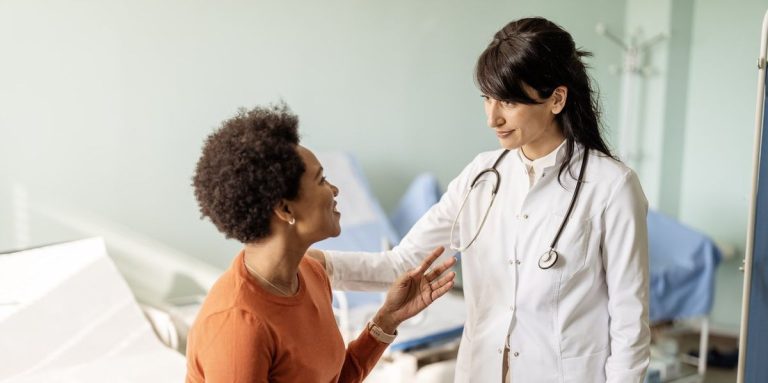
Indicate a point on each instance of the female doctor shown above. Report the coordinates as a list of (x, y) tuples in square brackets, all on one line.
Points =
[(555, 263)]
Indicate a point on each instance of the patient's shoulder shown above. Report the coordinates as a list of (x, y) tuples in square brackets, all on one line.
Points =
[(314, 273)]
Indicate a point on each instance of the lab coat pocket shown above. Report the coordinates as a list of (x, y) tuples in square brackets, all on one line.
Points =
[(585, 369), (573, 245)]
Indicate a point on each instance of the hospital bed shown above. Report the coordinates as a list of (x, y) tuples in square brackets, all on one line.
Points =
[(683, 263), (365, 227), (67, 315), (425, 344)]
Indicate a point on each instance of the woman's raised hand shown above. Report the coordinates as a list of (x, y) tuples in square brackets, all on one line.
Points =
[(413, 291)]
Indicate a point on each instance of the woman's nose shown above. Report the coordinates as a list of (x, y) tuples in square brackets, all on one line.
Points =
[(494, 117)]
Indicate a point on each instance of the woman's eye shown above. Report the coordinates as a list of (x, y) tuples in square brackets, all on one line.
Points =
[(507, 104), (485, 97)]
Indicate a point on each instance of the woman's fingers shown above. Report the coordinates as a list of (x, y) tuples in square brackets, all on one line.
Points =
[(443, 281), (428, 261), (437, 271), (442, 286)]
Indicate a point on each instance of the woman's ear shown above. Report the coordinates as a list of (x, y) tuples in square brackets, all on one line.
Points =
[(559, 96), (284, 212)]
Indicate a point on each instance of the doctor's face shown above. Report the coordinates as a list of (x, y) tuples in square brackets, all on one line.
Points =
[(531, 127)]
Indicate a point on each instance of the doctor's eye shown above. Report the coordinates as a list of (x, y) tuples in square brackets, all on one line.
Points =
[(508, 104), (323, 180), (485, 97)]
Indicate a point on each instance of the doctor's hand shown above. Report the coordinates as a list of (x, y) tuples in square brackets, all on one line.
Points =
[(413, 291)]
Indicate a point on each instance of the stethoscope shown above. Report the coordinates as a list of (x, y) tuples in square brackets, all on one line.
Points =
[(549, 258)]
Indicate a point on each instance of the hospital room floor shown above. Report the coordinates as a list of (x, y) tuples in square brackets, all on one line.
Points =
[(726, 314), (714, 374)]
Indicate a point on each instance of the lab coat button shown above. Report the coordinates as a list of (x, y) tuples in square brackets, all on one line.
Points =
[(512, 308), (498, 350), (525, 216), (516, 354)]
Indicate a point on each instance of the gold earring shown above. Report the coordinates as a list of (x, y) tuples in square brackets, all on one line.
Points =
[(292, 221)]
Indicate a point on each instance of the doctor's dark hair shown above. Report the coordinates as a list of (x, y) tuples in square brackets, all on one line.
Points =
[(247, 166), (539, 53)]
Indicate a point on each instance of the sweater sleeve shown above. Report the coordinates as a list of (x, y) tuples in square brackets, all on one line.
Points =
[(362, 355)]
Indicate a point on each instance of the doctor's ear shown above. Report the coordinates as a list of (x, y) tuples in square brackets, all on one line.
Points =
[(559, 96)]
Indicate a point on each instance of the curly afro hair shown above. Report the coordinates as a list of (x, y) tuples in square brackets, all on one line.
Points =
[(247, 166)]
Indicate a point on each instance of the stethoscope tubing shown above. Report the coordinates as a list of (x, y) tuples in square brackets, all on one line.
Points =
[(573, 200), (544, 263)]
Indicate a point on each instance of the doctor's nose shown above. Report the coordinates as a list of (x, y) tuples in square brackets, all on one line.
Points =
[(495, 118)]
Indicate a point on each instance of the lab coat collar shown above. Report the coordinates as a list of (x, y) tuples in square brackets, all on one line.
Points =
[(551, 159), (539, 165)]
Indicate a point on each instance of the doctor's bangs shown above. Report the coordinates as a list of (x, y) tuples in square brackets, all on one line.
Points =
[(502, 71)]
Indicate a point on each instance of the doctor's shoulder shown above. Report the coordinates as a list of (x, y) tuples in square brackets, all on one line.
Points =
[(485, 160), (611, 173), (607, 169), (481, 162)]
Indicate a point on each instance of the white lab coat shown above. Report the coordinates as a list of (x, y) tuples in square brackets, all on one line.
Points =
[(584, 320)]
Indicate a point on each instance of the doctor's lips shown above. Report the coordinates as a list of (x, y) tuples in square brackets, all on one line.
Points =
[(503, 133), (335, 210)]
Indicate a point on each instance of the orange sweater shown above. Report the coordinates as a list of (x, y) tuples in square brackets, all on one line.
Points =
[(245, 334)]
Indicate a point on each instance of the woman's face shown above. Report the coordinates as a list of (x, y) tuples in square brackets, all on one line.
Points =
[(315, 207), (531, 127)]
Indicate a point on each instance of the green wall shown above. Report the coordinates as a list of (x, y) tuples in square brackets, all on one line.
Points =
[(106, 104), (716, 180), (719, 135), (697, 118)]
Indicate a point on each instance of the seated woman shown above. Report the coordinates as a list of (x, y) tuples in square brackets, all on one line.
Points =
[(269, 317)]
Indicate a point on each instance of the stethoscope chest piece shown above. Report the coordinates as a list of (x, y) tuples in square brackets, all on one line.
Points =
[(548, 259)]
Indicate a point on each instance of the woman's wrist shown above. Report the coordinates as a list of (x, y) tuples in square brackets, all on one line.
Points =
[(385, 322)]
